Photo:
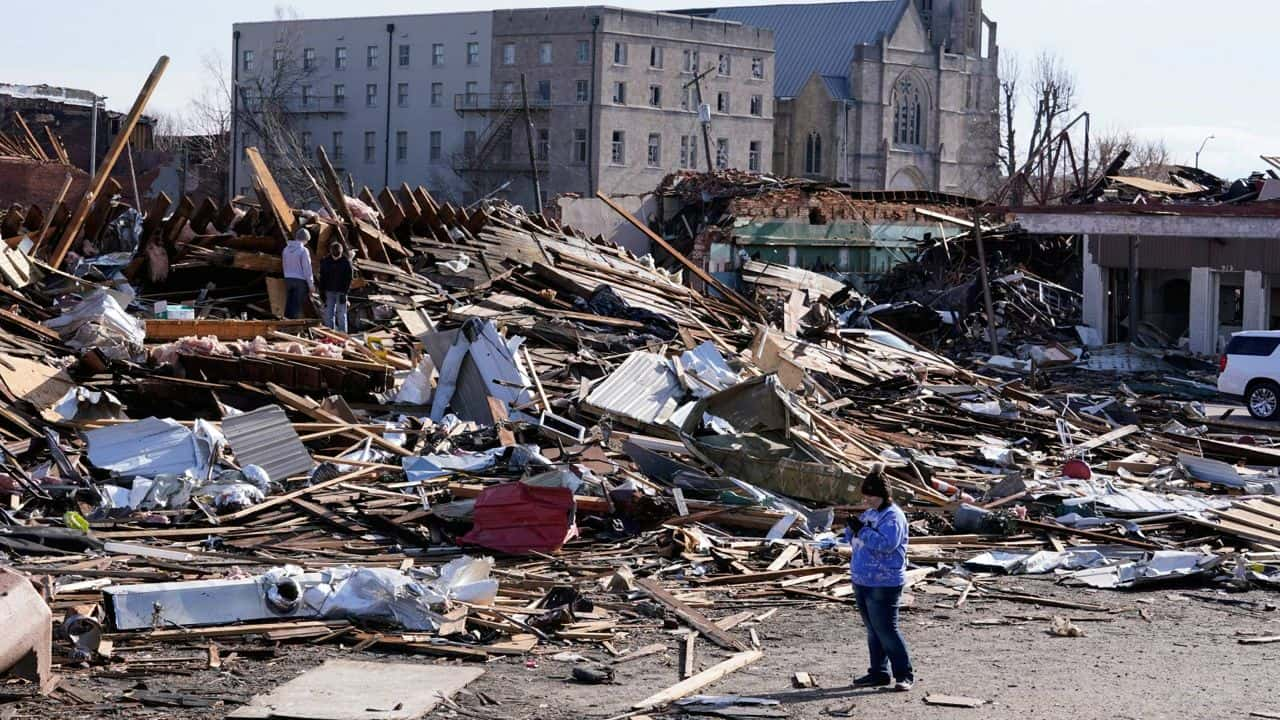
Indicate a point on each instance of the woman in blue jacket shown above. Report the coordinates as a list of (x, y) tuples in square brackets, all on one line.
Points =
[(878, 570)]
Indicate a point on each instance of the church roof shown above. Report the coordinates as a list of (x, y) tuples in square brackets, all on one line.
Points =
[(837, 86), (814, 38)]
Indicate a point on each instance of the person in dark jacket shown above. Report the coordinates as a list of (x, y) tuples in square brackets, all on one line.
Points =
[(878, 570), (335, 283)]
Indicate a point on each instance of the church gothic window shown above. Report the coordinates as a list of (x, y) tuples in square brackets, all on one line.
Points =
[(908, 115), (813, 154)]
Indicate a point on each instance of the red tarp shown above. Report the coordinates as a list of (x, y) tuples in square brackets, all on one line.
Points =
[(516, 518)]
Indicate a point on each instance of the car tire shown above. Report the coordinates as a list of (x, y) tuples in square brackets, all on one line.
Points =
[(1262, 397)]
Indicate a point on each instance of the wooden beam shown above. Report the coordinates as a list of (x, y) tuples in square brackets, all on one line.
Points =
[(697, 682), (53, 210), (692, 617), (104, 170), (280, 209)]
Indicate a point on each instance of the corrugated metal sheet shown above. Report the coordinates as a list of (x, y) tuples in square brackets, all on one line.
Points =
[(147, 447), (266, 438), (815, 38), (644, 389)]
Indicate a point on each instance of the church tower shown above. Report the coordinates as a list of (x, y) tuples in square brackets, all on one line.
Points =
[(956, 25)]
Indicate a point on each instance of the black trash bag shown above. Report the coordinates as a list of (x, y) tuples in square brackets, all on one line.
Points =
[(607, 302)]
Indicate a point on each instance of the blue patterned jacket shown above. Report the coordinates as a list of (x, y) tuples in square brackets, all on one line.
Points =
[(880, 550)]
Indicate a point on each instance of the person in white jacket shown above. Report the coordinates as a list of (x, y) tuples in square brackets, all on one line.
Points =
[(299, 281)]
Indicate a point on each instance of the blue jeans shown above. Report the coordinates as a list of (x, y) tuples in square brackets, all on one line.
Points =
[(879, 609), (295, 297), (335, 311)]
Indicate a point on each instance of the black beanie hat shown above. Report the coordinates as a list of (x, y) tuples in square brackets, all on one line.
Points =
[(877, 483)]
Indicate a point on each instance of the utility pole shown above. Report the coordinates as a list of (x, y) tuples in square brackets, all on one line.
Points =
[(528, 126), (986, 283), (696, 82)]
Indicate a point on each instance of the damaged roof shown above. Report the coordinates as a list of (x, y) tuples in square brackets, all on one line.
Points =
[(814, 38)]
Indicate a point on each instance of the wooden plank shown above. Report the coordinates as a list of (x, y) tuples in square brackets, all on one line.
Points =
[(48, 218), (108, 163), (1120, 432), (280, 209), (693, 267), (688, 655), (689, 615), (300, 492), (691, 685), (770, 575)]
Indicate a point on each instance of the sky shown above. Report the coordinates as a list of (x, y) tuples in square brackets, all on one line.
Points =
[(1171, 70)]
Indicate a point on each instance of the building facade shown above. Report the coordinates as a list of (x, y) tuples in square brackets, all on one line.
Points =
[(380, 94), (436, 99), (886, 94)]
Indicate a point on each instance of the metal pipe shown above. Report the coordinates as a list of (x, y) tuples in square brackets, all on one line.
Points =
[(235, 113), (986, 282), (528, 126), (386, 141), (93, 138)]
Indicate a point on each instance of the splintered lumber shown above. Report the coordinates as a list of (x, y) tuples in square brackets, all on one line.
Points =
[(275, 199), (1118, 433), (643, 652), (695, 619), (312, 409), (693, 267), (289, 496), (770, 575), (1089, 534), (72, 229), (691, 685)]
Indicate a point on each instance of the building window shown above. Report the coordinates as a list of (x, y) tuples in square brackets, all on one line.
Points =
[(618, 149), (690, 61), (306, 96), (813, 154), (725, 66), (505, 146), (722, 103), (469, 143), (437, 94), (757, 105), (308, 58), (655, 56), (508, 53), (508, 91), (305, 140), (437, 145), (277, 59), (544, 91), (371, 57), (370, 145), (339, 95), (437, 54), (688, 151), (338, 150), (544, 53), (340, 58), (584, 52), (654, 158), (404, 55), (620, 93), (757, 68), (722, 153), (619, 53), (583, 93), (907, 115), (371, 95), (473, 53), (689, 99), (402, 94), (753, 156), (246, 62), (471, 92), (402, 145), (580, 145), (655, 96), (544, 144)]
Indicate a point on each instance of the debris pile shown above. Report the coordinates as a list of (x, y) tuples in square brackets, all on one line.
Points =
[(532, 442)]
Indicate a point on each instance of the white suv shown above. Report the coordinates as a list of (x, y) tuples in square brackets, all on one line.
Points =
[(1250, 368)]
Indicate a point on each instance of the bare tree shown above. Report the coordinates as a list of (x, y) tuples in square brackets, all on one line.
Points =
[(1052, 92), (1148, 158), (267, 108), (1010, 76)]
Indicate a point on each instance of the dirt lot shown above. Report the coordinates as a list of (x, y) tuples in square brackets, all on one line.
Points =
[(1172, 653)]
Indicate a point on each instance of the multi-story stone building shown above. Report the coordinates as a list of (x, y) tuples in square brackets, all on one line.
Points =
[(886, 94), (435, 99), (616, 97)]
